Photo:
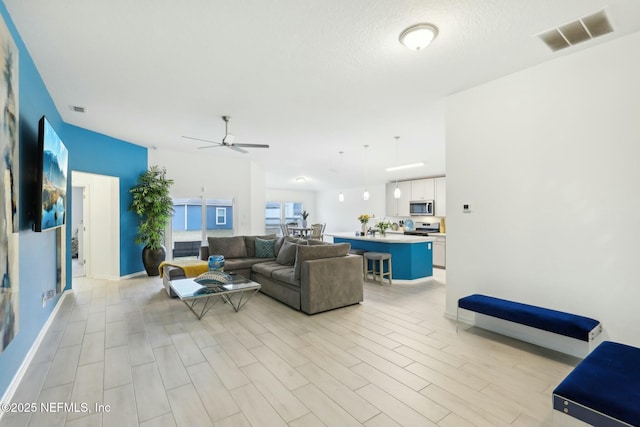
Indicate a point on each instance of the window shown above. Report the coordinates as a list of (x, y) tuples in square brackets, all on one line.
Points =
[(195, 219), (279, 212), (221, 216)]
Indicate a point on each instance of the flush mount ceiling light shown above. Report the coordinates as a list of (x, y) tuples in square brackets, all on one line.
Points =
[(300, 179), (418, 36)]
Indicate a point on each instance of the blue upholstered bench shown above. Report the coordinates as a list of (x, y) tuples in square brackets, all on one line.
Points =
[(603, 390), (565, 332)]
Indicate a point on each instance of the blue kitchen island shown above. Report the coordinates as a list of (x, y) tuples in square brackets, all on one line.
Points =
[(412, 256)]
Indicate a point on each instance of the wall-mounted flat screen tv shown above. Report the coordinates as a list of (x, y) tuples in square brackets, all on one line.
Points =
[(53, 162)]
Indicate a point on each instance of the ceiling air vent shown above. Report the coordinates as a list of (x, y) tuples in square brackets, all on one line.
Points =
[(583, 29), (77, 109)]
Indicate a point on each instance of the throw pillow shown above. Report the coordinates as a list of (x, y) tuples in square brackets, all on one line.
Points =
[(229, 247), (278, 244), (250, 243), (265, 248), (305, 253), (287, 254)]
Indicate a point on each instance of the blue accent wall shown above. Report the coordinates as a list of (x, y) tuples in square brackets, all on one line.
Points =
[(93, 152), (88, 152)]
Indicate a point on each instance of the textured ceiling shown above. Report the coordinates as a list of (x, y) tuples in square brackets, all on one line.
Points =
[(309, 78)]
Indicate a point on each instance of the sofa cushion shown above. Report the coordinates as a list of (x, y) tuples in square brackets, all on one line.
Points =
[(267, 268), (264, 248), (285, 275), (229, 247), (241, 263), (305, 253), (250, 243), (316, 242), (295, 240), (287, 254)]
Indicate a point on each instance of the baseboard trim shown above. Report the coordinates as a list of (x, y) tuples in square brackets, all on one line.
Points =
[(17, 378), (133, 275)]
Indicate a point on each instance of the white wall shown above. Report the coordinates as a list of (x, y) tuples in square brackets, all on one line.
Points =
[(343, 216), (548, 158), (197, 174)]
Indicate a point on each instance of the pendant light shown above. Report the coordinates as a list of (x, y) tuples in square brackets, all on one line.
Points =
[(397, 193), (365, 195), (341, 196)]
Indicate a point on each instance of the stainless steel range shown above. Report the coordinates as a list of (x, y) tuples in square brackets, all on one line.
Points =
[(424, 228)]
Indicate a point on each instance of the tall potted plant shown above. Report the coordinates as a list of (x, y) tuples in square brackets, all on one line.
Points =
[(153, 205)]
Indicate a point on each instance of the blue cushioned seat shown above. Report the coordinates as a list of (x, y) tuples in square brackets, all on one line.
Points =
[(558, 322), (604, 386)]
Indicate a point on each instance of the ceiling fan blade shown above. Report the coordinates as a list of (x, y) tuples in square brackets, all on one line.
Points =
[(200, 139), (211, 146), (235, 148), (252, 145)]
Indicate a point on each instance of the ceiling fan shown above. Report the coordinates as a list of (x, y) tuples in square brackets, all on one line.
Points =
[(227, 141)]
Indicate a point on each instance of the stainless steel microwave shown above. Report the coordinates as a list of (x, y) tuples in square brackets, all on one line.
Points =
[(421, 207)]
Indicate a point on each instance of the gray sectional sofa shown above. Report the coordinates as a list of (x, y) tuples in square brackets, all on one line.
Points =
[(308, 275)]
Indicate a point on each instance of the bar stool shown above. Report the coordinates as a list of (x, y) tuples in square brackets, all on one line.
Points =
[(380, 257)]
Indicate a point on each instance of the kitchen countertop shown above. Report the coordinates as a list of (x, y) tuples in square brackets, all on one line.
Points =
[(389, 238), (430, 234)]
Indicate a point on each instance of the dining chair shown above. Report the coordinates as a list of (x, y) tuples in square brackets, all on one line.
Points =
[(317, 231)]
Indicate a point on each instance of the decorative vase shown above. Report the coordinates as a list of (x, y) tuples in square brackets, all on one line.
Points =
[(151, 259), (364, 228), (216, 263), (304, 223), (383, 232)]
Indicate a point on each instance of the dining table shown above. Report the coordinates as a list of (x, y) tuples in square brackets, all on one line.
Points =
[(302, 231)]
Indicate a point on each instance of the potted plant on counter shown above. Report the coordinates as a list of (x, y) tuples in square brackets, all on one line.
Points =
[(153, 205), (364, 219), (383, 226)]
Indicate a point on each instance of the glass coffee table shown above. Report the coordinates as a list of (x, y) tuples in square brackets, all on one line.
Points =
[(200, 299)]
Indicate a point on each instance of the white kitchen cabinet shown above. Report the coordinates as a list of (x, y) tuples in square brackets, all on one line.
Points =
[(398, 207), (423, 189), (440, 251), (441, 196)]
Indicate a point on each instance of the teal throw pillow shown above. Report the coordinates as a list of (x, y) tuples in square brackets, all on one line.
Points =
[(265, 248)]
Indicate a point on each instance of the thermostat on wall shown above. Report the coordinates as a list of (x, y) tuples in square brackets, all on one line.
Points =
[(466, 208)]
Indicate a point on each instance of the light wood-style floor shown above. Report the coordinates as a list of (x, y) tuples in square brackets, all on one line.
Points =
[(392, 360)]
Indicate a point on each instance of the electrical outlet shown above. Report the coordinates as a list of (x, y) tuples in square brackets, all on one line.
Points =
[(47, 295)]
